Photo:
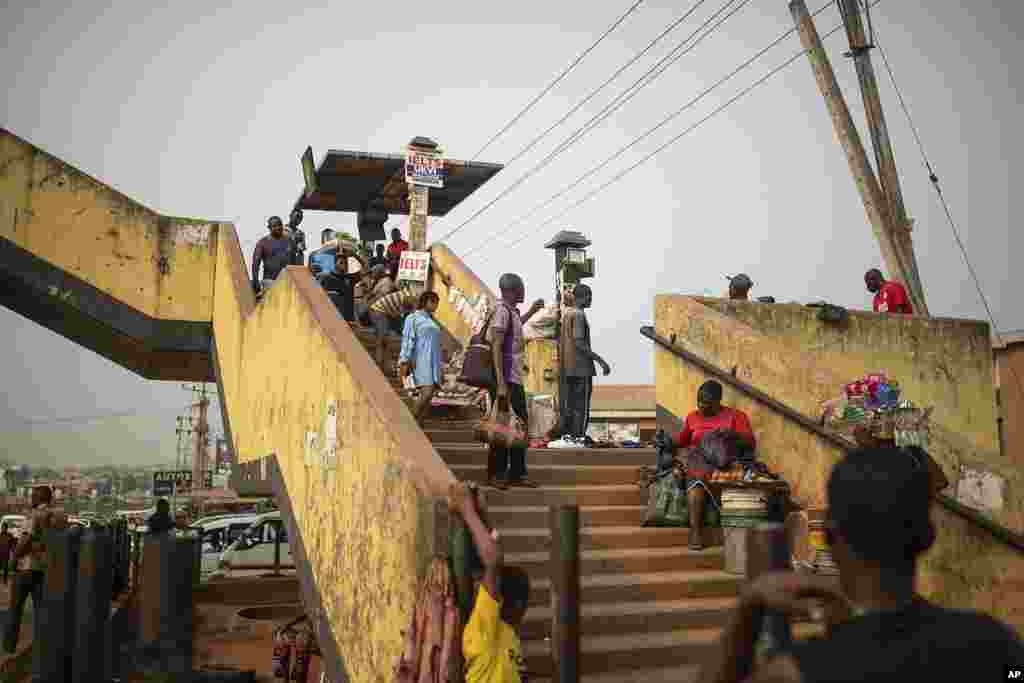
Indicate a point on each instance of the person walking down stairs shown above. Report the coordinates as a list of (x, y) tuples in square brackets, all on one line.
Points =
[(421, 353)]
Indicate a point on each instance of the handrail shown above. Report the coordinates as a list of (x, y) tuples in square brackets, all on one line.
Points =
[(999, 532)]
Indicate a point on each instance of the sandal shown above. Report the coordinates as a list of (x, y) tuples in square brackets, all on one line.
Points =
[(524, 483), (496, 483)]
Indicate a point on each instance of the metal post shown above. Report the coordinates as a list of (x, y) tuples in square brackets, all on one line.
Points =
[(888, 176), (277, 549), (94, 593), (863, 175), (55, 627), (565, 583)]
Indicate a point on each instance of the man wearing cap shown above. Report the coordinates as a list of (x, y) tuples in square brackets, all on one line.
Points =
[(740, 286)]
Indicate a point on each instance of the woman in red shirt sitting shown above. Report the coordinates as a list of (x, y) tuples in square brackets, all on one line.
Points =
[(710, 416)]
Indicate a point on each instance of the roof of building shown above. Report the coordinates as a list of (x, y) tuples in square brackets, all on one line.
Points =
[(623, 397), (1007, 338), (352, 181)]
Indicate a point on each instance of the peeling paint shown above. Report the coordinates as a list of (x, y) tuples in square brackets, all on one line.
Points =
[(980, 489), (193, 234)]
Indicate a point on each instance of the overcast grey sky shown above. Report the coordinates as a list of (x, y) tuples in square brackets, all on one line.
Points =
[(203, 111)]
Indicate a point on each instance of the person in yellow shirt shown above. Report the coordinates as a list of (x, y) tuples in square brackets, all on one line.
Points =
[(490, 640)]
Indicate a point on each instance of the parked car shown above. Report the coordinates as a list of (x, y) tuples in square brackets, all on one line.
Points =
[(216, 535), (254, 549)]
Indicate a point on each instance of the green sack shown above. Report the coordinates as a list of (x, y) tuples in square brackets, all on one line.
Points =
[(667, 506)]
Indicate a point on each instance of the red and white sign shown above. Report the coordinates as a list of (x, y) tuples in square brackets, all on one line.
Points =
[(413, 265)]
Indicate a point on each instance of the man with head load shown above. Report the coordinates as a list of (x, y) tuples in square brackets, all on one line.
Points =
[(878, 525), (30, 562), (740, 286), (578, 361), (273, 252), (395, 249), (507, 467), (890, 296)]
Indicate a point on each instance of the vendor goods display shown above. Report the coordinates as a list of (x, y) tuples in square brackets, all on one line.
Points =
[(543, 415), (874, 404), (821, 562), (744, 509)]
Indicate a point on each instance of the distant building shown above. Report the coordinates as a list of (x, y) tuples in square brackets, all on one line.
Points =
[(623, 409), (1009, 370)]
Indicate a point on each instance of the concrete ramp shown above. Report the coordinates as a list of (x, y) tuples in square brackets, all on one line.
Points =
[(169, 299)]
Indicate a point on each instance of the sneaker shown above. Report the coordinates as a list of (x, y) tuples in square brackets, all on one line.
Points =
[(564, 442)]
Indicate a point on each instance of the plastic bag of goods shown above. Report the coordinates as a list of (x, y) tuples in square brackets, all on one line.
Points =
[(543, 415), (543, 324)]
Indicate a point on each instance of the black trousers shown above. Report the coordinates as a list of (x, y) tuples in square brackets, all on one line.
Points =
[(576, 404), (509, 463), (25, 584)]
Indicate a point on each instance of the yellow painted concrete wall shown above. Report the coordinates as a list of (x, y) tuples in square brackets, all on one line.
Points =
[(293, 373), (448, 272), (966, 567), (159, 265)]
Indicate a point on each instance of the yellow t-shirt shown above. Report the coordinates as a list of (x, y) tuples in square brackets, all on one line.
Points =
[(490, 646)]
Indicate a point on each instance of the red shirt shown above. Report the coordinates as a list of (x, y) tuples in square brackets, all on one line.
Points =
[(697, 425), (395, 249), (892, 298)]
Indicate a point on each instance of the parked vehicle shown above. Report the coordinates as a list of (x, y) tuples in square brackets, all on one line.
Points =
[(254, 549), (218, 534), (14, 523)]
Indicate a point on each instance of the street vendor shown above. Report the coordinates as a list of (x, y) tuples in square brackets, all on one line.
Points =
[(711, 416)]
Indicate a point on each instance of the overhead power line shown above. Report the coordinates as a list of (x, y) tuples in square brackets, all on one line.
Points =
[(743, 93), (646, 79), (593, 93), (934, 179), (95, 418), (635, 141), (555, 82)]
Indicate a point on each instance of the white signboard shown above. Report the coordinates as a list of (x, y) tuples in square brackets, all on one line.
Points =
[(413, 265), (424, 168)]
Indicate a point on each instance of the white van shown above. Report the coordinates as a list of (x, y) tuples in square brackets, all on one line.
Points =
[(254, 549), (217, 534), (14, 524)]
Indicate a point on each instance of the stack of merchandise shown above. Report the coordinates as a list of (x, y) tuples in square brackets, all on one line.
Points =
[(822, 562), (744, 509), (454, 394), (874, 403)]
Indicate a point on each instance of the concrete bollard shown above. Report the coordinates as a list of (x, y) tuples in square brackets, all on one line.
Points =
[(92, 611), (54, 642)]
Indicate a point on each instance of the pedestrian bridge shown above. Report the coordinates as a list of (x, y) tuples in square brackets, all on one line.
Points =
[(169, 298)]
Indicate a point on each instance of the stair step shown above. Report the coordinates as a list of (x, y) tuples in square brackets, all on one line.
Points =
[(645, 587), (595, 515), (559, 475), (566, 495), (474, 454), (612, 653), (624, 617), (631, 561), (442, 436), (604, 538)]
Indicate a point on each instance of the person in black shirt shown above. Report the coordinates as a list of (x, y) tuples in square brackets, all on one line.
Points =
[(878, 524), (161, 521), (379, 259), (274, 252)]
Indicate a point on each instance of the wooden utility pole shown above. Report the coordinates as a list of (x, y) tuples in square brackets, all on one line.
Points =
[(885, 161), (863, 175)]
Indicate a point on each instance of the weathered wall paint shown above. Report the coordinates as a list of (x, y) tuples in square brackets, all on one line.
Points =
[(361, 477), (159, 265), (966, 566)]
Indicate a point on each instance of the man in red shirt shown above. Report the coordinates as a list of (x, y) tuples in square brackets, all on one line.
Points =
[(890, 297), (395, 249), (710, 416)]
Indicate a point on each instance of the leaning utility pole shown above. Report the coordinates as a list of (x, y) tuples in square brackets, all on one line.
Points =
[(888, 177), (863, 175)]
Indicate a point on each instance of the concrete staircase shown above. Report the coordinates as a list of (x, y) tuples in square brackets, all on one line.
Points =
[(652, 608)]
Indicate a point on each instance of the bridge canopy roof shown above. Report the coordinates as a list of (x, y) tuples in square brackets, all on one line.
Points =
[(356, 181)]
